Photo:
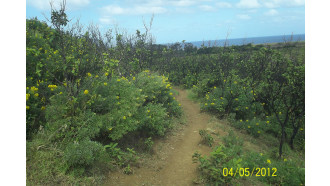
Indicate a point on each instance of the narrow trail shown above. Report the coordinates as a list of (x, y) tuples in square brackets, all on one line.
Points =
[(171, 163)]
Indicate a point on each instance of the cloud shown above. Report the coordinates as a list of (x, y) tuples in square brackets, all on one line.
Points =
[(207, 8), (271, 12), (183, 3), (282, 3), (223, 5), (45, 5), (243, 16), (107, 20), (136, 10), (248, 4)]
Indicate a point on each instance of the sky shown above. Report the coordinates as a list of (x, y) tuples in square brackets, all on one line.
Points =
[(189, 20)]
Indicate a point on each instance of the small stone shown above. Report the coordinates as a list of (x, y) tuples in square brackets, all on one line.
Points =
[(210, 131)]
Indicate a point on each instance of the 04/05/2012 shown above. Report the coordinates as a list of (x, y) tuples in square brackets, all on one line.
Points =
[(248, 172)]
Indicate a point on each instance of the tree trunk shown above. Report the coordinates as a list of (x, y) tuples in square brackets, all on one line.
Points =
[(282, 141), (295, 131)]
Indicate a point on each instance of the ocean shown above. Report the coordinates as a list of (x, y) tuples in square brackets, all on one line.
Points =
[(253, 40)]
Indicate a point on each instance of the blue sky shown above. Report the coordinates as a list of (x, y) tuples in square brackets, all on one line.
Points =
[(190, 20)]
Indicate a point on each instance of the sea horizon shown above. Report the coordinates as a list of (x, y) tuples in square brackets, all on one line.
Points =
[(252, 40)]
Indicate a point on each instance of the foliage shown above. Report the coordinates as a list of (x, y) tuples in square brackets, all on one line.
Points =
[(220, 166), (80, 155), (88, 93), (89, 96), (206, 137)]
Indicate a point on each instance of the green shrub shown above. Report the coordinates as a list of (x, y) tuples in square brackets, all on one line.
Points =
[(206, 137), (82, 155), (220, 166), (148, 143), (157, 90), (222, 157), (231, 140)]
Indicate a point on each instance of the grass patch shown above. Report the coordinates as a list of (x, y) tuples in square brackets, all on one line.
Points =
[(192, 96)]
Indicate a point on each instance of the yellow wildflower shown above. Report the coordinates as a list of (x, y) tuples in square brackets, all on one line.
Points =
[(214, 87), (246, 107), (43, 108), (212, 103), (106, 74), (267, 121), (240, 120), (36, 94), (257, 124), (268, 161), (117, 97), (301, 129), (65, 84), (236, 99), (261, 154), (124, 117), (27, 96), (61, 92), (280, 113), (285, 159), (247, 120), (179, 104), (171, 93), (118, 80), (52, 86), (258, 131), (96, 76), (110, 128), (148, 111), (173, 97), (86, 92), (34, 89), (105, 84), (249, 126), (221, 97), (27, 107), (224, 80), (235, 82), (89, 74), (133, 78), (205, 104)]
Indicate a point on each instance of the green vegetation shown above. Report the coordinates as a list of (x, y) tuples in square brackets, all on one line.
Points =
[(265, 85), (229, 163), (92, 105), (85, 106)]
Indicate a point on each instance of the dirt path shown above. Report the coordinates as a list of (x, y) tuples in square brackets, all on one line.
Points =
[(171, 163)]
